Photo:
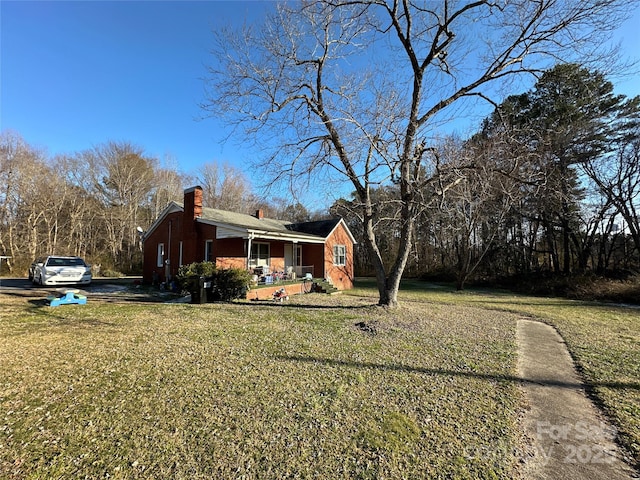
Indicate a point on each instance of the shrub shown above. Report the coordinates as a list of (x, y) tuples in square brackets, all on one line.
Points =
[(578, 287), (226, 284), (111, 273), (230, 284), (188, 274)]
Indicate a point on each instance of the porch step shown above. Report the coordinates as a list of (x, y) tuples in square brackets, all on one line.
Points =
[(326, 287)]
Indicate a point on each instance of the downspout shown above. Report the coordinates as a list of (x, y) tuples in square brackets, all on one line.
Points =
[(168, 260)]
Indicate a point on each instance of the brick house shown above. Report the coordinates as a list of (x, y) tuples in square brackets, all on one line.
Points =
[(188, 232)]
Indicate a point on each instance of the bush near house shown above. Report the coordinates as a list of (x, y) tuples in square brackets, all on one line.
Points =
[(227, 284), (230, 284), (196, 269)]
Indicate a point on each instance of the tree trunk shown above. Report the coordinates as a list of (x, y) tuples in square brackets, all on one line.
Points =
[(388, 284), (551, 245)]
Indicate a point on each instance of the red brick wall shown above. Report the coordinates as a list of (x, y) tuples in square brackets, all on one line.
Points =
[(175, 228), (341, 276), (231, 247), (169, 233), (266, 293), (231, 262), (313, 254), (232, 252)]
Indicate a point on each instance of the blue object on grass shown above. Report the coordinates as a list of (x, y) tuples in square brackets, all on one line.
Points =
[(69, 297)]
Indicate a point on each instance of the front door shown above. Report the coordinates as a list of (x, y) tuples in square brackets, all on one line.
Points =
[(288, 256), (290, 260), (260, 255)]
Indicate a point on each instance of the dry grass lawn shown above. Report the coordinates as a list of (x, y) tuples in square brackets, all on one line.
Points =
[(319, 387), (258, 390)]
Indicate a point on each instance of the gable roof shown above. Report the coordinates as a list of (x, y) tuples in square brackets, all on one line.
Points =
[(322, 228), (233, 224), (243, 220)]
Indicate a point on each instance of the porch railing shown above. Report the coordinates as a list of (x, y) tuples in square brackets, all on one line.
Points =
[(301, 272), (264, 275)]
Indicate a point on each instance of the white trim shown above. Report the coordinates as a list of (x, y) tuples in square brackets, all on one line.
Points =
[(173, 207), (254, 263), (206, 251), (285, 237), (343, 255), (224, 230), (351, 237)]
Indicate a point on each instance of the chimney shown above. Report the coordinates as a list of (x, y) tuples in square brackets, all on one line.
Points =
[(259, 214), (193, 202)]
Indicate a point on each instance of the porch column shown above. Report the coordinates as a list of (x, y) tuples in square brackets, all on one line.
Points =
[(294, 253), (249, 239)]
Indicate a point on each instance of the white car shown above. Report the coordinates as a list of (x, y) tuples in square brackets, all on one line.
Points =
[(54, 270)]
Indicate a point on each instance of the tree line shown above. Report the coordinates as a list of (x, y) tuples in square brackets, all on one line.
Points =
[(91, 203), (550, 184), (358, 91)]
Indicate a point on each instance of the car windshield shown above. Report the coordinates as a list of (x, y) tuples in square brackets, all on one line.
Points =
[(64, 262)]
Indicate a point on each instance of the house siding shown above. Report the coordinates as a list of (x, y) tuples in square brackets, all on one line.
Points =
[(171, 232), (231, 262), (276, 260)]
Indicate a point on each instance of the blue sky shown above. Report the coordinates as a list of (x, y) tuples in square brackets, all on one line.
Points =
[(78, 74)]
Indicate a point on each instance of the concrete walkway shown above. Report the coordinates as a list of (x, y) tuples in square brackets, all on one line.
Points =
[(571, 439)]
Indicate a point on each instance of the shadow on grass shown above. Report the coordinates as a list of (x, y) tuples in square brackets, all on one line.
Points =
[(452, 373), (310, 306), (55, 315)]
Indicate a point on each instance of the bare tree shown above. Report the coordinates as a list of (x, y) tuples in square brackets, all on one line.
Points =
[(473, 210), (79, 227), (225, 187), (618, 178), (356, 87), (168, 187), (123, 179), (23, 204)]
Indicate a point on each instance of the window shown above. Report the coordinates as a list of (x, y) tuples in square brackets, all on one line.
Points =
[(339, 255), (160, 261), (180, 254), (260, 254), (65, 262), (208, 251)]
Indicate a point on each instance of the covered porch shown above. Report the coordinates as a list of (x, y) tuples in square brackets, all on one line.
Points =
[(271, 258)]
